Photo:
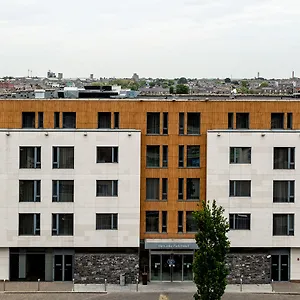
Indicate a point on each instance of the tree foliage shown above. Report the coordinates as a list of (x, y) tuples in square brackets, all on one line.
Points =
[(182, 80), (171, 89), (182, 89), (209, 266)]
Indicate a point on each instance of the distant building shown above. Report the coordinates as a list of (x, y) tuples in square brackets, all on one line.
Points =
[(60, 76), (51, 74), (91, 76), (135, 77)]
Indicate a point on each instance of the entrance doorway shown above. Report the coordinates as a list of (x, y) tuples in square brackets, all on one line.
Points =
[(280, 267), (63, 267)]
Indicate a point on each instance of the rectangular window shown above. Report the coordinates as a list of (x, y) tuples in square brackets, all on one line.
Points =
[(153, 123), (181, 123), (240, 155), (106, 221), (192, 189), (107, 188), (242, 121), (180, 156), (193, 157), (63, 157), (152, 221), (62, 224), (165, 123), (277, 120), (63, 191), (190, 225), (193, 123), (56, 119), (153, 157), (164, 189), (69, 119), (30, 157), (116, 120), (289, 121), (40, 120), (29, 224), (283, 224), (240, 188), (239, 221), (152, 188), (284, 158), (283, 191), (230, 120), (29, 191), (107, 154), (180, 221), (104, 120), (28, 119), (165, 156), (180, 188), (164, 221)]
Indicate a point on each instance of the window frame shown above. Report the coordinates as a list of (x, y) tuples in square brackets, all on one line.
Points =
[(36, 157), (234, 188), (57, 224), (290, 197), (36, 230), (234, 155), (56, 153), (291, 158), (189, 149), (233, 219), (290, 229), (56, 192), (114, 188), (148, 157), (114, 155), (114, 221), (154, 130), (156, 219), (36, 190), (150, 182)]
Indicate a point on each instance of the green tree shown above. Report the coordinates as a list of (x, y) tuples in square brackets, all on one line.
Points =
[(209, 264), (227, 80), (152, 84), (264, 84), (182, 80), (171, 89), (182, 89)]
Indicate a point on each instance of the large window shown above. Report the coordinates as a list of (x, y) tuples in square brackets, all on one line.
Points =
[(242, 120), (63, 157), (193, 157), (240, 188), (29, 224), (190, 225), (152, 221), (63, 190), (277, 120), (193, 123), (152, 188), (107, 188), (153, 157), (239, 221), (106, 221), (28, 119), (192, 189), (107, 154), (69, 119), (283, 224), (62, 224), (284, 158), (240, 155), (104, 120), (29, 190), (283, 191), (153, 123), (30, 157)]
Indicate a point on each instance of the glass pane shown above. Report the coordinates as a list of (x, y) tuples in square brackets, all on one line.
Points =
[(166, 268), (275, 267), (193, 156), (193, 188), (152, 221), (155, 267), (153, 123), (193, 123), (187, 267), (104, 154), (284, 274), (177, 268), (152, 156), (152, 188)]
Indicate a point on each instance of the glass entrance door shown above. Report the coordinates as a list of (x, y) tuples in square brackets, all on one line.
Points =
[(280, 267), (63, 267), (187, 267), (166, 268)]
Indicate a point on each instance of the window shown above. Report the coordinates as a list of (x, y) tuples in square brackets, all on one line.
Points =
[(153, 157), (152, 188), (63, 191), (164, 189), (239, 221), (152, 221), (284, 158), (29, 224), (283, 224), (191, 225), (116, 120), (56, 119), (106, 221), (181, 123), (30, 191), (62, 224), (240, 155), (240, 188), (40, 120), (28, 119), (165, 156), (164, 221), (107, 188), (69, 119), (153, 123), (63, 157), (165, 123), (242, 120), (193, 123), (180, 188), (104, 120), (277, 120), (283, 191), (289, 120), (180, 156), (193, 157), (30, 157), (192, 189), (107, 154), (230, 120), (180, 221)]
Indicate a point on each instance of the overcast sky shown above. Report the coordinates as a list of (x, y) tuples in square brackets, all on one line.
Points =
[(154, 38)]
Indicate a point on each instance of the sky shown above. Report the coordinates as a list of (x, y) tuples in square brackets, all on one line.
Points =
[(157, 38)]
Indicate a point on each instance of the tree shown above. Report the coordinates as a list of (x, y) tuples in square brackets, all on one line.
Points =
[(227, 80), (182, 80), (152, 84), (264, 84), (171, 89), (182, 89), (209, 264)]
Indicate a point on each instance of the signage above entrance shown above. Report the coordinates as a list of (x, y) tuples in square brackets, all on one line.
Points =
[(178, 246)]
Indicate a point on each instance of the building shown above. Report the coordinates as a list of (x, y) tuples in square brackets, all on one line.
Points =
[(183, 158)]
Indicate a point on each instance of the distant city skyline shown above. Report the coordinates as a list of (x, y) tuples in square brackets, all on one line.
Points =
[(158, 39)]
